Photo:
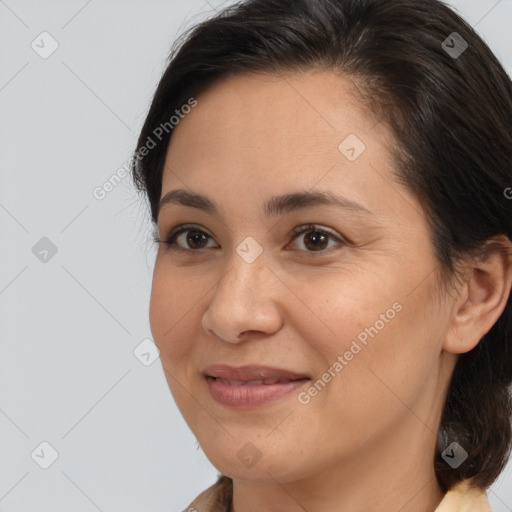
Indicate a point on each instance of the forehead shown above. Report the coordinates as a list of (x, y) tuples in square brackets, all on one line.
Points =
[(266, 134), (287, 112)]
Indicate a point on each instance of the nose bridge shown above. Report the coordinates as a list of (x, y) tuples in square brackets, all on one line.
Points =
[(242, 299), (242, 283), (246, 268), (248, 260)]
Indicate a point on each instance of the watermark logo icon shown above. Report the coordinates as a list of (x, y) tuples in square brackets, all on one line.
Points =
[(454, 455), (249, 455), (44, 250), (352, 147), (44, 455), (454, 45), (249, 250), (146, 352), (44, 45)]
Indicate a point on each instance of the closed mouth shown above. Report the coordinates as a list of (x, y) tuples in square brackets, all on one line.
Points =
[(256, 382), (251, 375)]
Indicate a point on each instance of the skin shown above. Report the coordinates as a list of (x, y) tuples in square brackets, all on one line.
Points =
[(365, 442)]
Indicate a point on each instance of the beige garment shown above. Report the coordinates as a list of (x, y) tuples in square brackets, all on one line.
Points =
[(216, 498), (460, 498)]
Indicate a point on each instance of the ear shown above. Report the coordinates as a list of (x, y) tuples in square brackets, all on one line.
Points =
[(483, 293)]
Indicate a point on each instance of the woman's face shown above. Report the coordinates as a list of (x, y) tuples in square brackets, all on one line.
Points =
[(354, 308)]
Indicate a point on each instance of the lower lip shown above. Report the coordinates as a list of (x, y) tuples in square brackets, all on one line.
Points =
[(250, 396)]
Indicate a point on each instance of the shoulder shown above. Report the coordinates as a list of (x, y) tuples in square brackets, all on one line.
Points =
[(217, 498), (463, 497)]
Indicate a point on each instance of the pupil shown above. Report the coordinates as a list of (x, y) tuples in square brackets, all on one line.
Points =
[(315, 238), (195, 236)]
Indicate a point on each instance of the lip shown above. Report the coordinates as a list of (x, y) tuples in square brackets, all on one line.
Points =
[(251, 372), (236, 386)]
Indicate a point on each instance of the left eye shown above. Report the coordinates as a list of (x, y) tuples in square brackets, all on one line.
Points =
[(316, 239), (196, 239)]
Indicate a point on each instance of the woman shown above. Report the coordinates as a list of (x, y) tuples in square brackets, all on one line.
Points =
[(330, 182)]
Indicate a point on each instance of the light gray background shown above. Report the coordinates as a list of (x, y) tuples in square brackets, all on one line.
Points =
[(69, 326)]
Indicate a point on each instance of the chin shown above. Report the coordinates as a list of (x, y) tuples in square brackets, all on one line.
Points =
[(237, 464)]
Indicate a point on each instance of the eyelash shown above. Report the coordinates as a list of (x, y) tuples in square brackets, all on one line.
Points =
[(170, 241)]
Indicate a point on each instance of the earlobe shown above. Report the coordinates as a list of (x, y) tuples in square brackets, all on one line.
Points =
[(482, 296)]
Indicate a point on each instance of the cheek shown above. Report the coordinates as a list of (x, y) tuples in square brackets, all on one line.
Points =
[(374, 343), (395, 367), (349, 308), (171, 309), (171, 313)]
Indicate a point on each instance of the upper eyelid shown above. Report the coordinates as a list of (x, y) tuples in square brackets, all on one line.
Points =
[(188, 227)]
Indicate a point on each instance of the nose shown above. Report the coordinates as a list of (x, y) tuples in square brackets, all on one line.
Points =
[(245, 300)]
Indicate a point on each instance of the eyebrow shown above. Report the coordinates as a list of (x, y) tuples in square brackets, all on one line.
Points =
[(277, 205)]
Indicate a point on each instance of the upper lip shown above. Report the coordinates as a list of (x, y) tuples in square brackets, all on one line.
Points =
[(251, 372)]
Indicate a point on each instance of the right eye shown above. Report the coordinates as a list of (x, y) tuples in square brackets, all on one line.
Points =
[(186, 237)]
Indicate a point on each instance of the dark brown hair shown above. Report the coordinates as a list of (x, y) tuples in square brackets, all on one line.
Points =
[(450, 109)]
